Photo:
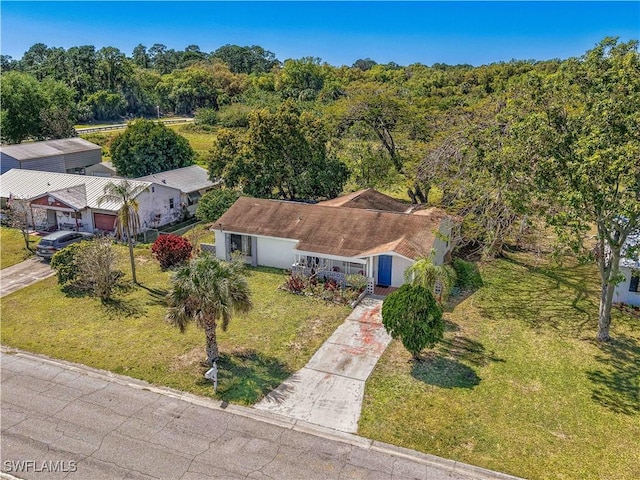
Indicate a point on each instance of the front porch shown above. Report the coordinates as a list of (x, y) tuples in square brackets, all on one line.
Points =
[(332, 268)]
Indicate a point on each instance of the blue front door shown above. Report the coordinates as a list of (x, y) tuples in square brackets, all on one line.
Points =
[(384, 270)]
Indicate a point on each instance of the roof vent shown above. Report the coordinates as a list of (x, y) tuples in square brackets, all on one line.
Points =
[(164, 180)]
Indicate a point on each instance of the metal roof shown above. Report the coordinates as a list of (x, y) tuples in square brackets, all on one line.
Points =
[(49, 148), (186, 179), (28, 184)]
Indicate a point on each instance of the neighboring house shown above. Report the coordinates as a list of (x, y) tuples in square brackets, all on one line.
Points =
[(336, 238), (192, 181), (102, 169), (71, 202), (69, 155), (628, 291)]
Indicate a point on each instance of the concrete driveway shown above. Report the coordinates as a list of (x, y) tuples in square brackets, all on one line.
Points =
[(23, 274), (329, 390)]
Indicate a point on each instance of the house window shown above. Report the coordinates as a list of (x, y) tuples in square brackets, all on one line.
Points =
[(77, 215), (633, 285), (171, 203), (241, 243), (153, 189)]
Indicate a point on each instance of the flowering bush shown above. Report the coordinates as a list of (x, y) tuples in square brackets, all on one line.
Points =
[(171, 250)]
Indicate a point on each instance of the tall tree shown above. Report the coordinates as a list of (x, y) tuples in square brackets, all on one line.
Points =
[(581, 142), (22, 103), (206, 291), (32, 109), (124, 193), (284, 155), (147, 147), (247, 60)]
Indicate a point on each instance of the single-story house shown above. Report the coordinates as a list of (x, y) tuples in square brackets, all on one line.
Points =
[(193, 181), (71, 202), (628, 291), (336, 238), (68, 155)]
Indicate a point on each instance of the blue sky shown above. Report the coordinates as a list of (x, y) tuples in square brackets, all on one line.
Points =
[(338, 32)]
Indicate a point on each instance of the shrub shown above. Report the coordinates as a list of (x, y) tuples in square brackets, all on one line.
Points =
[(97, 272), (467, 274), (357, 281), (295, 283), (65, 262), (207, 117), (412, 315), (234, 116), (171, 250)]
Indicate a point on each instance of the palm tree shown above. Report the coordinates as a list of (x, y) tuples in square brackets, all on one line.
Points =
[(425, 273), (204, 291), (128, 220)]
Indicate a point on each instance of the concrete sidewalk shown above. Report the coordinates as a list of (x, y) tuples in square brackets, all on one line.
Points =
[(63, 420), (329, 390), (23, 274)]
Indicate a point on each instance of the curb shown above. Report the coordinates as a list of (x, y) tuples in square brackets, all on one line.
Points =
[(271, 418)]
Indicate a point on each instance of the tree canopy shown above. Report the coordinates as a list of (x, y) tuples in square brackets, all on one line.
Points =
[(147, 147), (282, 155)]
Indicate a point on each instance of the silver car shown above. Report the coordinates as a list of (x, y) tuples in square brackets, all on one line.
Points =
[(58, 240)]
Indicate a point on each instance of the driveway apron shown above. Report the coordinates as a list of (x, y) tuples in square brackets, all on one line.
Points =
[(22, 275), (329, 390)]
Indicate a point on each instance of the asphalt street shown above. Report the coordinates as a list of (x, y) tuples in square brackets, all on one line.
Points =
[(62, 420)]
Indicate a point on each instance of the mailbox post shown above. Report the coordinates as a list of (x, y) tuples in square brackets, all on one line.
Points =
[(212, 374)]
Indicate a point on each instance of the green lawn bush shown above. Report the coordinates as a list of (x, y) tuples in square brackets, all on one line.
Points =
[(467, 274)]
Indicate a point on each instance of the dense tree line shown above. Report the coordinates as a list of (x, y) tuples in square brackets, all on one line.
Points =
[(508, 146)]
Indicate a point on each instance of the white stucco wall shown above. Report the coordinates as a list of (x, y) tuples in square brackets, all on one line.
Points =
[(276, 252), (443, 242), (622, 293), (398, 266), (156, 202), (270, 251)]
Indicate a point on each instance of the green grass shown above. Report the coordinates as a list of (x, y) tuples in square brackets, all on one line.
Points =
[(201, 142), (519, 384), (12, 250), (130, 336)]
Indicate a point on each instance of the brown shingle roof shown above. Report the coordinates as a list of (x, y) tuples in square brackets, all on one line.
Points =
[(368, 199), (341, 231)]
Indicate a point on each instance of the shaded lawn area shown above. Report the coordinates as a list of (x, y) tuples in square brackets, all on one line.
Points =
[(12, 249), (519, 385), (129, 336)]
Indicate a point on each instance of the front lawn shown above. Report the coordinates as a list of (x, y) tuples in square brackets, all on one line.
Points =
[(519, 385), (130, 336), (12, 249)]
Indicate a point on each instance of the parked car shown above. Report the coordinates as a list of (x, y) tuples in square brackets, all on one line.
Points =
[(58, 240)]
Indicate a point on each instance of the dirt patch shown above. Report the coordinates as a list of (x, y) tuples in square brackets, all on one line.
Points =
[(192, 358)]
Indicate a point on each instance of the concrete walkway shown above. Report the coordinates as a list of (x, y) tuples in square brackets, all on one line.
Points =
[(23, 274), (68, 421), (329, 390)]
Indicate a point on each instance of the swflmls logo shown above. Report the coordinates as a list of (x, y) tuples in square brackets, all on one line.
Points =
[(39, 467)]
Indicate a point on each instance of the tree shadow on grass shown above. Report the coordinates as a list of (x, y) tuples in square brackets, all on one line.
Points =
[(157, 296), (617, 383), (117, 307), (245, 376), (444, 372), (556, 297), (467, 350)]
